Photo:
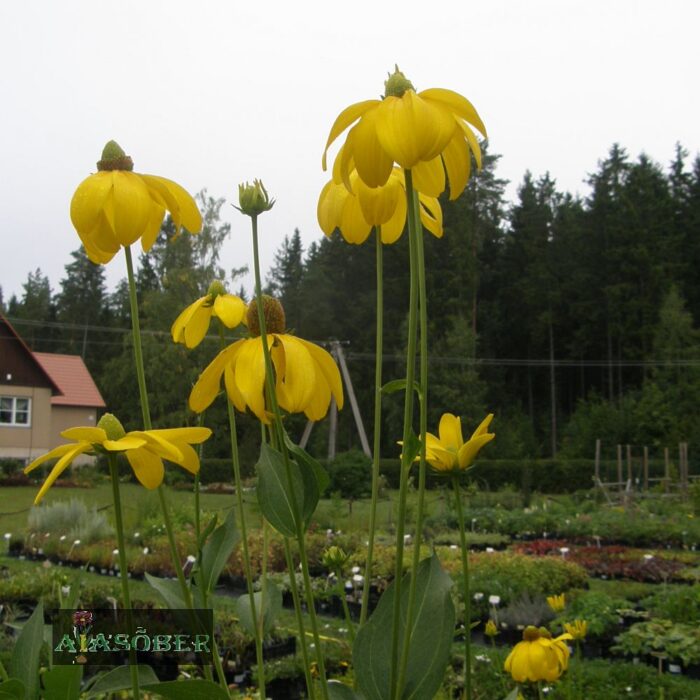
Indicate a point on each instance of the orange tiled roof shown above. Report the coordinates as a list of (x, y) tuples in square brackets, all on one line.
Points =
[(73, 379)]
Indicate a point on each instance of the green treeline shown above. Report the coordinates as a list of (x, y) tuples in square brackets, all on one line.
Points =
[(571, 319)]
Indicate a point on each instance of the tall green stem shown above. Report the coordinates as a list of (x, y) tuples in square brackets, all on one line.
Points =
[(123, 567), (235, 460), (294, 497), (146, 414), (417, 231), (376, 445), (407, 434), (467, 596)]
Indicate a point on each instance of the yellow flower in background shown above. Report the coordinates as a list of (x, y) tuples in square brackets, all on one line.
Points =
[(144, 449), (449, 452), (115, 207), (355, 213), (306, 375), (192, 324), (578, 629), (490, 630), (428, 132), (556, 602), (538, 657)]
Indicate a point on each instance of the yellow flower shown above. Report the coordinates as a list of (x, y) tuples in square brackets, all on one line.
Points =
[(355, 213), (577, 629), (491, 630), (145, 450), (115, 206), (429, 132), (538, 657), (449, 452), (306, 375), (192, 324), (556, 602)]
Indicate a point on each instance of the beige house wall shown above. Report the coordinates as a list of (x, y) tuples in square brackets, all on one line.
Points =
[(64, 417), (28, 442)]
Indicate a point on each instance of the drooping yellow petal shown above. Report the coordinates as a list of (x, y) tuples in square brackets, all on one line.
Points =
[(347, 117), (177, 330), (460, 106), (231, 389), (457, 163), (450, 431), (329, 369), (299, 378), (372, 163), (391, 230), (150, 233), (52, 454), (429, 177), (468, 452), (473, 143), (190, 458), (379, 203), (129, 208), (411, 129), (230, 309), (250, 376), (198, 325), (178, 201), (147, 466), (353, 225), (85, 434), (60, 467), (193, 435), (330, 206), (88, 202), (157, 444), (207, 386), (320, 400), (431, 214)]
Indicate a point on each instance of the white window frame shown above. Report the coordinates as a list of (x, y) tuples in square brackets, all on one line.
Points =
[(14, 411)]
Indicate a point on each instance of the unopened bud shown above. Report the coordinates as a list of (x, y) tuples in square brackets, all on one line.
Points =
[(253, 199)]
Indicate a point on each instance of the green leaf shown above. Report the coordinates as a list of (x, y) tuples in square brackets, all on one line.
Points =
[(273, 606), (340, 691), (207, 530), (431, 631), (12, 688), (170, 591), (24, 664), (410, 449), (399, 385), (217, 550), (62, 683), (305, 460), (513, 695), (194, 689), (274, 494), (120, 679)]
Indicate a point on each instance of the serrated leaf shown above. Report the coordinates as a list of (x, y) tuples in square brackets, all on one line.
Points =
[(24, 664), (275, 494), (193, 689), (12, 688), (62, 683), (340, 691), (273, 606), (430, 636), (304, 459), (120, 679), (217, 550)]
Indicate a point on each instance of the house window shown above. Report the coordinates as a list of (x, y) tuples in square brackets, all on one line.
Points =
[(15, 410)]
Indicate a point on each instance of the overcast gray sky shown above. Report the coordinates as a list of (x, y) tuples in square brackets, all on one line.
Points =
[(211, 93)]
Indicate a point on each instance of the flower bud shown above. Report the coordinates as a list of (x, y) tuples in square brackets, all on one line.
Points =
[(215, 289), (111, 425), (253, 199), (334, 558), (397, 84), (491, 630), (114, 158)]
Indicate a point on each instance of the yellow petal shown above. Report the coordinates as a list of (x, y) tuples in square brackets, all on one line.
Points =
[(473, 143), (190, 458), (229, 309), (52, 454), (347, 117), (457, 163), (177, 330), (92, 435), (330, 206), (468, 452), (157, 444), (147, 467), (193, 435), (411, 130), (372, 162), (60, 467), (353, 225), (450, 431), (231, 389), (431, 214), (299, 377), (457, 104), (429, 177), (483, 426), (329, 369), (391, 230), (198, 325), (128, 442), (155, 220), (88, 201), (178, 201), (317, 407), (128, 210), (207, 386), (250, 375), (379, 203)]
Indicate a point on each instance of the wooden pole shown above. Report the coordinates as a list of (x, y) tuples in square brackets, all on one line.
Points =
[(306, 434), (619, 467), (597, 461), (629, 463), (645, 466)]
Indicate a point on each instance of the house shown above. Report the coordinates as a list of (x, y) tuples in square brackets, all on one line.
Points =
[(41, 394)]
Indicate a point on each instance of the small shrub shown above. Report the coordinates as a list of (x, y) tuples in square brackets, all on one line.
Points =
[(72, 518)]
